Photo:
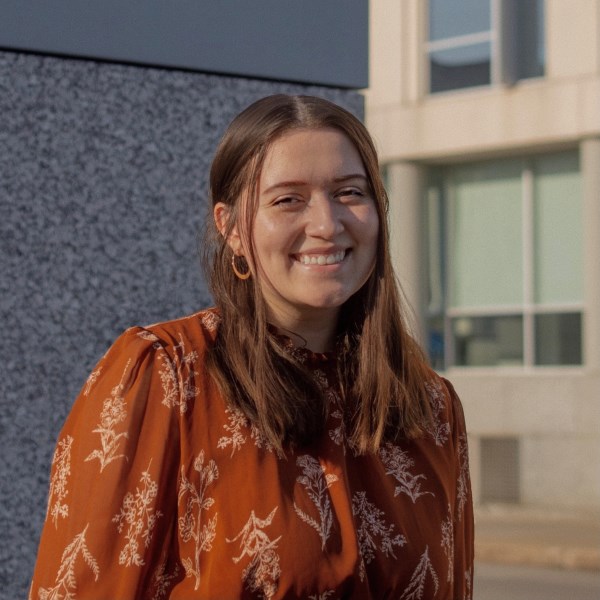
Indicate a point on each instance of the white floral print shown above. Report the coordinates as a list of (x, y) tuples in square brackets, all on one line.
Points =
[(93, 377), (371, 525), (463, 484), (397, 463), (177, 377), (423, 572), (58, 484), (162, 582), (148, 336), (338, 434), (447, 543), (317, 483), (140, 516), (190, 524), (440, 429), (210, 319), (263, 571), (237, 438), (237, 422), (468, 579), (113, 412), (66, 581)]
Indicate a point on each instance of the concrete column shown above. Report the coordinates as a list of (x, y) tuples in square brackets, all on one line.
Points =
[(405, 188), (590, 172)]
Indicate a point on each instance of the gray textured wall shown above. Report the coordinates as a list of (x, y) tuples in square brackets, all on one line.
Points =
[(102, 195)]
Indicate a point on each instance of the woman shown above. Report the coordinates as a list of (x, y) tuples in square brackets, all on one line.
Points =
[(291, 442)]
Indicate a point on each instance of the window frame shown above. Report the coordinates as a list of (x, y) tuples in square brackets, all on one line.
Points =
[(439, 304), (502, 39)]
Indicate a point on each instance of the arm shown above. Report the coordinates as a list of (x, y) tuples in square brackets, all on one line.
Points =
[(112, 497), (463, 507)]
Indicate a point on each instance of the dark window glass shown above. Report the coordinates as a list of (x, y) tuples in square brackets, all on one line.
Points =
[(558, 339), (488, 341), (530, 46), (455, 68)]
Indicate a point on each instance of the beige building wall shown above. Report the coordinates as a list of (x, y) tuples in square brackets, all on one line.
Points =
[(554, 411)]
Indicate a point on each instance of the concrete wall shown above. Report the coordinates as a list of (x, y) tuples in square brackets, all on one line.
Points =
[(557, 109), (102, 197)]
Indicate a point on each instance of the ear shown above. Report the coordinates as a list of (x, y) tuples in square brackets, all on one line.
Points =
[(221, 214)]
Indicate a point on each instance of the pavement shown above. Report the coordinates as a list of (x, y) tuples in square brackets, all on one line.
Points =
[(537, 537)]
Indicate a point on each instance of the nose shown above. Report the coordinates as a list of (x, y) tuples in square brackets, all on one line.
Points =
[(325, 218)]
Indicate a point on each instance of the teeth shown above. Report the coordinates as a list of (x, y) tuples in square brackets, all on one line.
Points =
[(323, 259)]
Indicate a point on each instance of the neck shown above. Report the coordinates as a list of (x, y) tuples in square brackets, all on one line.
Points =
[(315, 332)]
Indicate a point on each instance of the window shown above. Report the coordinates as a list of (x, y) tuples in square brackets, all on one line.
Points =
[(506, 263), (483, 42)]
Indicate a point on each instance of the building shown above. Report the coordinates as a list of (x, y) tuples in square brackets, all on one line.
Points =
[(487, 117)]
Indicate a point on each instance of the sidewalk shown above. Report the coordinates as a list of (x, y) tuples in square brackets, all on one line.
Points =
[(524, 536)]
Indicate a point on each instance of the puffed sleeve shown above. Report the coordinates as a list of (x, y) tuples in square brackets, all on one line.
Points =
[(463, 504), (111, 513)]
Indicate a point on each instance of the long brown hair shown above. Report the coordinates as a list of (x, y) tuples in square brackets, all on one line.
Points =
[(385, 396)]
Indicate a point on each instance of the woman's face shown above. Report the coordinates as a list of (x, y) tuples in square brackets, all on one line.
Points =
[(316, 226)]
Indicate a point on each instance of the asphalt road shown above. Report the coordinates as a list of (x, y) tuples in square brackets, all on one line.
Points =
[(501, 582)]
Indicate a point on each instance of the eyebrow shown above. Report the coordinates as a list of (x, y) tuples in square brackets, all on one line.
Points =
[(288, 184)]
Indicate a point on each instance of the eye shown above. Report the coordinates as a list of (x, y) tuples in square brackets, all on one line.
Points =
[(352, 193), (287, 201)]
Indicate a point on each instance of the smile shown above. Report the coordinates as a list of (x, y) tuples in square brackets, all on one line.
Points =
[(321, 259)]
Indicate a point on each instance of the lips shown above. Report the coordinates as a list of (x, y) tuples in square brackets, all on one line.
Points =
[(321, 259)]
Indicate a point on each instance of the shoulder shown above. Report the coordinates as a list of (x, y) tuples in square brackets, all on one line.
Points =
[(193, 333), (139, 350), (446, 409), (200, 328)]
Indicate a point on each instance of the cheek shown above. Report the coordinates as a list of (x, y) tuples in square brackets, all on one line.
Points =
[(370, 231)]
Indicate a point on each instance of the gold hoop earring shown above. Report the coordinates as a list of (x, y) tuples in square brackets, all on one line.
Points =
[(239, 275)]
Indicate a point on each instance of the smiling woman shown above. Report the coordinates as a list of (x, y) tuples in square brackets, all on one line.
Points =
[(314, 233), (290, 442)]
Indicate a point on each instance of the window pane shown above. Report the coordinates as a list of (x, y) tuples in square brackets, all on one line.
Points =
[(486, 240), (530, 50), (488, 341), (458, 17), (558, 229), (558, 339), (455, 68)]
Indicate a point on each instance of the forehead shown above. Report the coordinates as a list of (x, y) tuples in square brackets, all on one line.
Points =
[(311, 153)]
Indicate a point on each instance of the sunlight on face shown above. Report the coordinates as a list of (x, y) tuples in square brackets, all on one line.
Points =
[(316, 225)]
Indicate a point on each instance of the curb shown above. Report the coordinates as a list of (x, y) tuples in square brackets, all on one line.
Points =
[(537, 555)]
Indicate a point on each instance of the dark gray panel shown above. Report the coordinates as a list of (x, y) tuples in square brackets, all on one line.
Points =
[(312, 41), (103, 178)]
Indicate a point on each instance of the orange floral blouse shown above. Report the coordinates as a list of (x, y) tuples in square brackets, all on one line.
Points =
[(158, 490)]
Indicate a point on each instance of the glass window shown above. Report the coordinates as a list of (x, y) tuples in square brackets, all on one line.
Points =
[(486, 237), (530, 48), (465, 66), (452, 18), (558, 229), (488, 341), (505, 262), (482, 42), (558, 339)]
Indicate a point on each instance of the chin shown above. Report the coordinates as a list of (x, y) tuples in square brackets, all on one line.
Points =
[(329, 303)]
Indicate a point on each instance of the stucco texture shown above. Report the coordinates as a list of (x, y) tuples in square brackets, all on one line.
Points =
[(103, 181)]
